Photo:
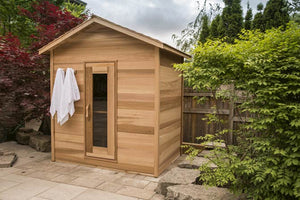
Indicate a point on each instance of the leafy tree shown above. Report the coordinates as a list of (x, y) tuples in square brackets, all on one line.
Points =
[(215, 26), (76, 10), (248, 18), (24, 75), (232, 19), (204, 34), (258, 21), (276, 14), (191, 34), (12, 22), (264, 69)]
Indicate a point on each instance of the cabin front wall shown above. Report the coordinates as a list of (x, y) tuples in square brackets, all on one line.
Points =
[(170, 116), (135, 93)]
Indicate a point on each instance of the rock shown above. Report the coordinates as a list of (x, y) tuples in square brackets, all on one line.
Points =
[(26, 130), (205, 153), (7, 159), (23, 138), (198, 192), (40, 142), (176, 176), (33, 124), (212, 145), (195, 163)]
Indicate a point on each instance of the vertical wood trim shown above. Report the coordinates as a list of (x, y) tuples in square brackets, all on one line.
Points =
[(52, 120), (110, 110), (88, 108), (182, 107), (115, 109), (157, 111)]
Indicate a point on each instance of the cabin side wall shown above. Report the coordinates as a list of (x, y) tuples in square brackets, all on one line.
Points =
[(135, 109), (170, 117)]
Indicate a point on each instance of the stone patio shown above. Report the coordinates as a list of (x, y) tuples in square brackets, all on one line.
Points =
[(35, 177)]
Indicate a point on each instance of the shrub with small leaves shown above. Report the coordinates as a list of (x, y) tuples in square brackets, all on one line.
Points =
[(265, 164)]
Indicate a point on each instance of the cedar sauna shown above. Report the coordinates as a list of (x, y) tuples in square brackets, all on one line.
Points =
[(129, 115)]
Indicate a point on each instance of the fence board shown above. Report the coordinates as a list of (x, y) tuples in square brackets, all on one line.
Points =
[(194, 113)]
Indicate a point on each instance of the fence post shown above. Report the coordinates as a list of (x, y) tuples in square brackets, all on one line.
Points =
[(231, 115)]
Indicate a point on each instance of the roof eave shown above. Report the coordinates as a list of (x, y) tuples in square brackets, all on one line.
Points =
[(95, 19)]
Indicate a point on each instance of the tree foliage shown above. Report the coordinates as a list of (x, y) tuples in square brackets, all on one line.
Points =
[(191, 34), (276, 14), (24, 74), (248, 18), (204, 34), (258, 21), (12, 22), (232, 19), (264, 69)]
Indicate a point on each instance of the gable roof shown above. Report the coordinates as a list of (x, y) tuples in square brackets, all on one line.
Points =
[(96, 19)]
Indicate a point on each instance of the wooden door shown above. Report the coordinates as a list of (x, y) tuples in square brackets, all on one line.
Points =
[(100, 110)]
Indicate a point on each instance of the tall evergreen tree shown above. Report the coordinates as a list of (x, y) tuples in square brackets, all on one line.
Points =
[(258, 21), (205, 29), (276, 14), (248, 18), (232, 19), (215, 26)]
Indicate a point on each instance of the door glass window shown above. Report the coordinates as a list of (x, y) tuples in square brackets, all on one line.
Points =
[(100, 110)]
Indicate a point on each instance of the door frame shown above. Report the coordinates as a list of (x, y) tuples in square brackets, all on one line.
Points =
[(90, 151)]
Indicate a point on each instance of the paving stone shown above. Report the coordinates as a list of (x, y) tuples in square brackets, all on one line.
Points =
[(25, 172), (40, 142), (17, 178), (5, 184), (87, 182), (37, 198), (158, 197), (138, 176), (152, 179), (205, 153), (92, 194), (195, 163), (43, 175), (136, 192), (62, 192), (132, 182), (198, 192), (64, 178), (26, 190), (151, 186), (211, 145), (176, 176), (110, 187), (7, 159)]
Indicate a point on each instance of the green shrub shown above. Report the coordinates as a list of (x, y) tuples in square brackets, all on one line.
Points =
[(265, 164)]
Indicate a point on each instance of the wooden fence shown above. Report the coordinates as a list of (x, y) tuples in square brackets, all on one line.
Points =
[(193, 113)]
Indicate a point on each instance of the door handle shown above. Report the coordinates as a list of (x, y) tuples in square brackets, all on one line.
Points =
[(87, 111)]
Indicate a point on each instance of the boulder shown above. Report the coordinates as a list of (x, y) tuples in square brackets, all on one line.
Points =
[(176, 176), (195, 163), (23, 138), (33, 124), (205, 153), (40, 142), (26, 130), (198, 192), (7, 159)]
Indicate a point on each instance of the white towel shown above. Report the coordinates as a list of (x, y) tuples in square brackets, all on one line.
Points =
[(70, 94), (57, 93)]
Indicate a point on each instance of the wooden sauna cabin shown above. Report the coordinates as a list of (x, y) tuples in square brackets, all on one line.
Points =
[(129, 115)]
